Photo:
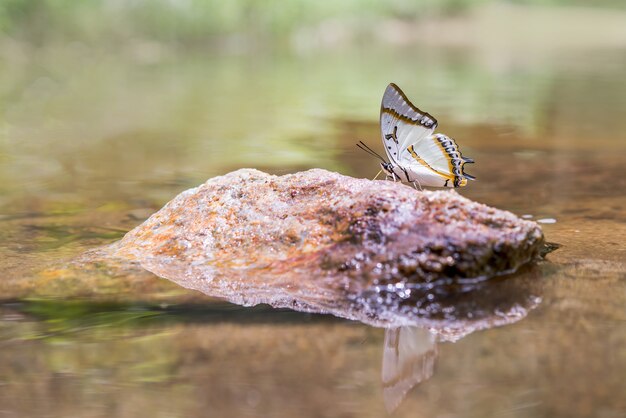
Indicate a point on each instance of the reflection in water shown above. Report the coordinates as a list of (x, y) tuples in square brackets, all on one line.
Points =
[(453, 309), (448, 312), (409, 356)]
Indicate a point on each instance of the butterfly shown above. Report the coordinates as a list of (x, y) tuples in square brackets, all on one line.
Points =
[(415, 153)]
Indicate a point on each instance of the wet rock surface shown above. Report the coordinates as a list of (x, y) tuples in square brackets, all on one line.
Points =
[(376, 251)]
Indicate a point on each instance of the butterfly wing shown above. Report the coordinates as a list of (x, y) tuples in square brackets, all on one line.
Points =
[(407, 135), (402, 124), (441, 155)]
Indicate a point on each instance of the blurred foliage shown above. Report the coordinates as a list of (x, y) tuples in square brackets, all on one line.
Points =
[(611, 4), (196, 21), (64, 320)]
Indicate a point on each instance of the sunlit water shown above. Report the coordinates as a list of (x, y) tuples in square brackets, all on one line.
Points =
[(94, 142)]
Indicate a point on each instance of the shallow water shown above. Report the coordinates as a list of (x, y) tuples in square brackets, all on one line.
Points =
[(93, 142)]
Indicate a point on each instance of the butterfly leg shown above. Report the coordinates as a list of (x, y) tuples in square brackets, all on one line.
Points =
[(416, 186)]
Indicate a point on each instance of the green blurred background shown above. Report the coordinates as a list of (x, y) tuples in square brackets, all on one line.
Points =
[(108, 99), (201, 23)]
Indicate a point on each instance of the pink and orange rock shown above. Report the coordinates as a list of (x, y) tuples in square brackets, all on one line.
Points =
[(323, 242)]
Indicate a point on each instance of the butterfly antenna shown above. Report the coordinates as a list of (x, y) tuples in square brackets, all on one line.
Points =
[(363, 149), (362, 145), (368, 151)]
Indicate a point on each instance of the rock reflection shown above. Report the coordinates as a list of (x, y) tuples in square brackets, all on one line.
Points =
[(451, 309), (409, 356), (448, 312)]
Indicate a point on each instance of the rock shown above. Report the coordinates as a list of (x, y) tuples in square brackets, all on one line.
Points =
[(323, 242)]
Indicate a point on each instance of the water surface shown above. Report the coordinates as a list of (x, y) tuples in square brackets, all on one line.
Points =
[(94, 141)]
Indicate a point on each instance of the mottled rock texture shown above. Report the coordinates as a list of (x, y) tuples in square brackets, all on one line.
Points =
[(323, 242)]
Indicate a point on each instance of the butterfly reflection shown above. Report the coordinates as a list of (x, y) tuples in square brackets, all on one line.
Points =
[(409, 358), (451, 312)]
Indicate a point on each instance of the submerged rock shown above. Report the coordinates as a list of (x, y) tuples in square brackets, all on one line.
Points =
[(323, 242)]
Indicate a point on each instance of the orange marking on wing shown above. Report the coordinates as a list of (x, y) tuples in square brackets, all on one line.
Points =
[(425, 164)]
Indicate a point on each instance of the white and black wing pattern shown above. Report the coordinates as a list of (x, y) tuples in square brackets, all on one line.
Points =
[(401, 123), (417, 154), (440, 156)]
